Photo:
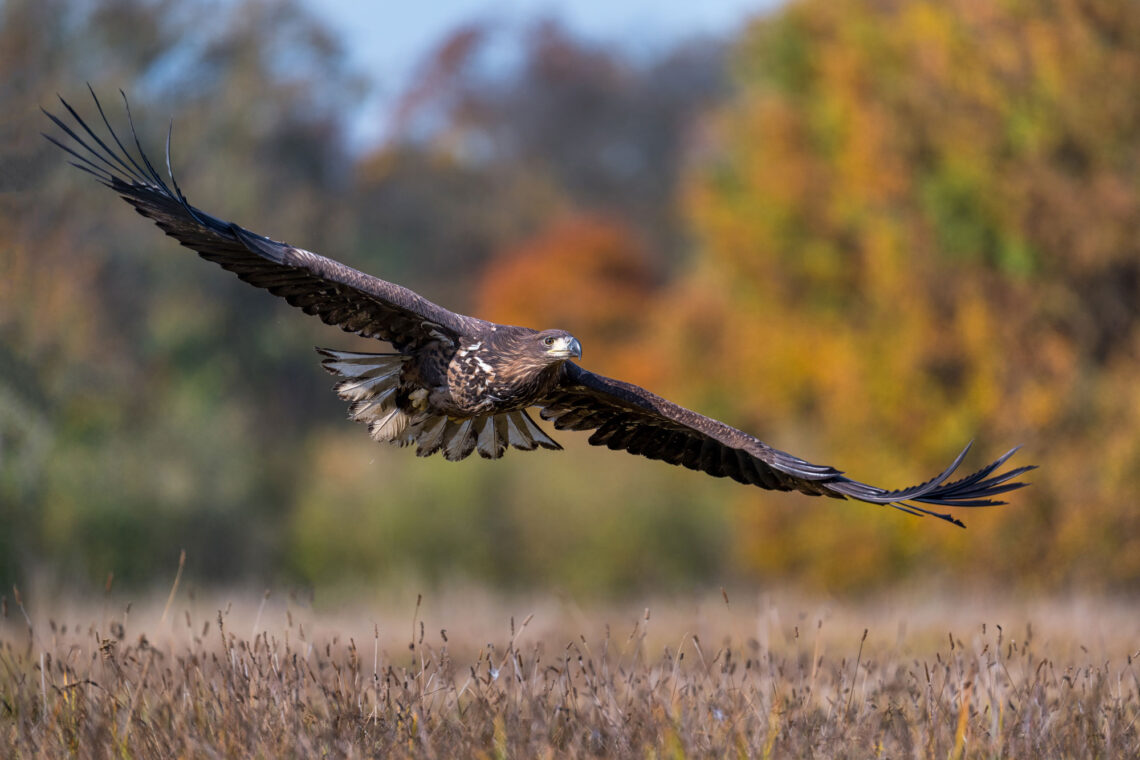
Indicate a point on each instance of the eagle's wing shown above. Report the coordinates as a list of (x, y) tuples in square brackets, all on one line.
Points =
[(338, 294), (625, 416)]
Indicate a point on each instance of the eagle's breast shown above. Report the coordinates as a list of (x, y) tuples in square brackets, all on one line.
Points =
[(470, 376), (499, 371)]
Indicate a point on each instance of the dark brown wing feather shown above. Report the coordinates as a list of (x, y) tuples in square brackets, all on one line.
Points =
[(625, 416), (338, 294)]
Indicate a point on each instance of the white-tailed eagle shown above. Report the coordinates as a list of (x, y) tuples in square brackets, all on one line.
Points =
[(456, 384)]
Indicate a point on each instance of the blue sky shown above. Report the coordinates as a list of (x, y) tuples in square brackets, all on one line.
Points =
[(387, 39)]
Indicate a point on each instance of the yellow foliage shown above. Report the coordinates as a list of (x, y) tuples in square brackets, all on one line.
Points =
[(917, 227)]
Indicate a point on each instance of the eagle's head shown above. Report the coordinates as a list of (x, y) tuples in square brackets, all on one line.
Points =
[(557, 345), (521, 353)]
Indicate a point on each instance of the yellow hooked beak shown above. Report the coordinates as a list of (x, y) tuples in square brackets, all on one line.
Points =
[(565, 348)]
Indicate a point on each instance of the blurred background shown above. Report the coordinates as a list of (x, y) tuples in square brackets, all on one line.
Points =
[(868, 232)]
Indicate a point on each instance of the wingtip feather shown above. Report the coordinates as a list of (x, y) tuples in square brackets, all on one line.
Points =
[(973, 490)]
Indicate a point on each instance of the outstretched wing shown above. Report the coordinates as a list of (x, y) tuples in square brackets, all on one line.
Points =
[(338, 294), (625, 416)]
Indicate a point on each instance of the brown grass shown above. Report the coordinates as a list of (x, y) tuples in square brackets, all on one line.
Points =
[(458, 676)]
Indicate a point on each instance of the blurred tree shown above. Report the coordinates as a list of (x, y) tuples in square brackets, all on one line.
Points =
[(151, 403), (921, 218), (499, 152), (126, 376)]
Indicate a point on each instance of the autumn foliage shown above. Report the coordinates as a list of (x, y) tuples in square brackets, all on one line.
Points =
[(922, 220), (583, 273), (867, 232)]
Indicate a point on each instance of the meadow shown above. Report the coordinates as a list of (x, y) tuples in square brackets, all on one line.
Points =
[(468, 673)]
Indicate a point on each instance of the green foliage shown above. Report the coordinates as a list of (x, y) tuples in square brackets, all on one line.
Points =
[(131, 421), (518, 522)]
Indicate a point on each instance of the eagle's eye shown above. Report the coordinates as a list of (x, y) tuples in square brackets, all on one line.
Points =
[(548, 340)]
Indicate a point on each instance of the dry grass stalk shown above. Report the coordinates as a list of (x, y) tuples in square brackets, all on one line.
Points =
[(104, 690)]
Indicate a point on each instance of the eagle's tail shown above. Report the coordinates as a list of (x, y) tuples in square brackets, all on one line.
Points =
[(489, 434), (370, 385), (401, 417)]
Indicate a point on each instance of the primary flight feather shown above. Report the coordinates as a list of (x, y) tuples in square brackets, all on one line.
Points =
[(457, 384)]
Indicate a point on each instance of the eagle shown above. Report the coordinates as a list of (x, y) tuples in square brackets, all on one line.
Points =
[(455, 384)]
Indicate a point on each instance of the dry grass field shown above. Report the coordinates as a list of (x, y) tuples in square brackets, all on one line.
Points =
[(469, 674)]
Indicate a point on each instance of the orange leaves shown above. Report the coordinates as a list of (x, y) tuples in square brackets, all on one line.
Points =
[(586, 274)]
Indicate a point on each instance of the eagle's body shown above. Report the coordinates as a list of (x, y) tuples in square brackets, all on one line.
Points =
[(456, 396), (456, 384)]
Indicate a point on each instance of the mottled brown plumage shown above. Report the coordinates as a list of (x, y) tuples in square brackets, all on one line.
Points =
[(456, 384)]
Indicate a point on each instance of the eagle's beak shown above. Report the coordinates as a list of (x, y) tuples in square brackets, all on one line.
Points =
[(567, 347)]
